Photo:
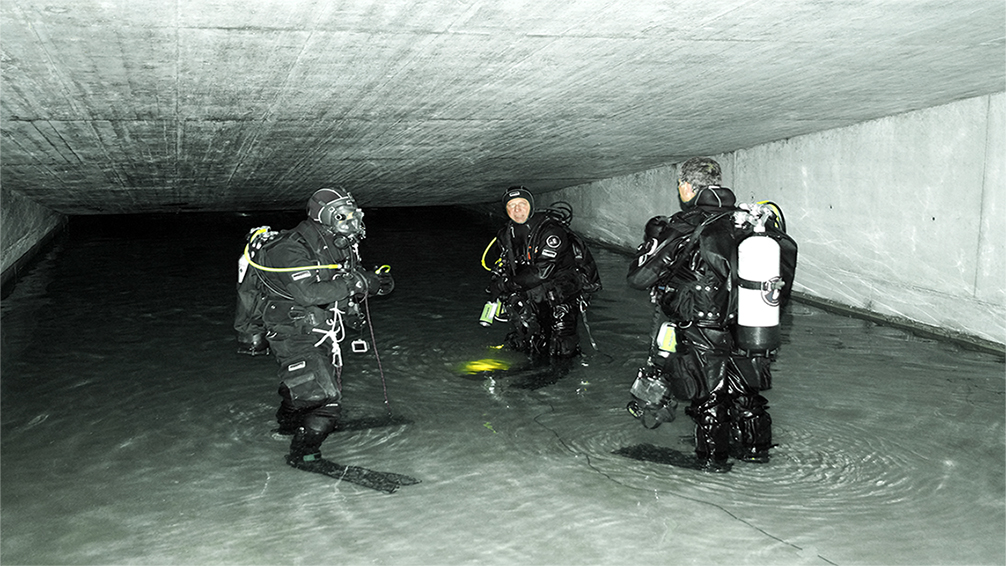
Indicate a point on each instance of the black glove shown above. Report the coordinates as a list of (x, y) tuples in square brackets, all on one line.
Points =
[(500, 286), (526, 278), (385, 283), (364, 283), (358, 283), (654, 227)]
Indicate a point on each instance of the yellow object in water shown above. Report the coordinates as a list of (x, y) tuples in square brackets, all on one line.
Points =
[(487, 364)]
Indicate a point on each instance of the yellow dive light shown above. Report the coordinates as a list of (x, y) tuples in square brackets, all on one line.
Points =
[(487, 364)]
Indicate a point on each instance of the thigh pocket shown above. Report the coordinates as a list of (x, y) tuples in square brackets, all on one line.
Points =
[(685, 377), (306, 381)]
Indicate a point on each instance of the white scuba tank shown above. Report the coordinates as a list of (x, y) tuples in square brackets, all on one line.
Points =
[(758, 293)]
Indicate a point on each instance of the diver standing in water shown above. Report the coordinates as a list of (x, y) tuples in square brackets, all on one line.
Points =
[(299, 291), (538, 281), (702, 348)]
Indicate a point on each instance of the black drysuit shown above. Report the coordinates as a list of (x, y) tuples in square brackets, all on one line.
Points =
[(538, 282), (688, 262), (313, 284)]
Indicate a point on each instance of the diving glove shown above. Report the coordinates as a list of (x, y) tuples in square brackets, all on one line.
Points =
[(385, 283)]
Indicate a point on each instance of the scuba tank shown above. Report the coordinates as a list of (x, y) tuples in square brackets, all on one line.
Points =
[(248, 323), (759, 285)]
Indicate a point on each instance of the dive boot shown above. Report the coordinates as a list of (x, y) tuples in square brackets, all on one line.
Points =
[(305, 448)]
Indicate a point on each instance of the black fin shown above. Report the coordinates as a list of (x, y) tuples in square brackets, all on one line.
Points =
[(388, 482)]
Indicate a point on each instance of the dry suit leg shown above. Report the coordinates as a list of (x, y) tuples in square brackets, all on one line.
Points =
[(309, 391), (524, 321), (712, 427), (305, 446), (323, 419), (754, 426), (565, 340)]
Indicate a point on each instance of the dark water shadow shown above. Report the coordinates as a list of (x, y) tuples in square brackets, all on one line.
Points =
[(661, 455)]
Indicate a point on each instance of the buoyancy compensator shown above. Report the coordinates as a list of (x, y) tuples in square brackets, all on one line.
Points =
[(248, 315)]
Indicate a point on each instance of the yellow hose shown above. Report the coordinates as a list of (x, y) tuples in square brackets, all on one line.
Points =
[(285, 269), (487, 251)]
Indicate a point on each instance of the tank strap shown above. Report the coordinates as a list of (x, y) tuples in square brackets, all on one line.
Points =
[(771, 285)]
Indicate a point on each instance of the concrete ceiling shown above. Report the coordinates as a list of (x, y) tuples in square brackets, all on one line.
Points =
[(121, 106)]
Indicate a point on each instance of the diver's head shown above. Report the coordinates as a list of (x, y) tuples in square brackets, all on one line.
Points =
[(336, 211), (696, 174), (519, 204)]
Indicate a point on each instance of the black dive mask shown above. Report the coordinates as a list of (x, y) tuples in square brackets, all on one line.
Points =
[(345, 221)]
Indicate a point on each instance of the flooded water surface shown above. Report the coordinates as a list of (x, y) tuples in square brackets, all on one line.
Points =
[(132, 432)]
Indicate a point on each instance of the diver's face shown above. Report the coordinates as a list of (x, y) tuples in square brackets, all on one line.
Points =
[(686, 191), (518, 210)]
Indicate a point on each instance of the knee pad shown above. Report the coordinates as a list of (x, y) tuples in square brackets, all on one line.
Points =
[(329, 412), (308, 382), (564, 319), (288, 417), (561, 315), (323, 421)]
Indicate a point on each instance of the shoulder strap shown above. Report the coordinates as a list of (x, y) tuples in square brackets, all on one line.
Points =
[(688, 246)]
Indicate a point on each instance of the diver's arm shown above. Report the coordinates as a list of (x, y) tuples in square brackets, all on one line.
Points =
[(314, 286), (652, 255)]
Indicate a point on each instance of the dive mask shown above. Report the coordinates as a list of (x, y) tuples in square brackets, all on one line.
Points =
[(336, 210), (345, 219)]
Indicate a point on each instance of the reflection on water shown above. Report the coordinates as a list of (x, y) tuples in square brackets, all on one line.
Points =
[(132, 432)]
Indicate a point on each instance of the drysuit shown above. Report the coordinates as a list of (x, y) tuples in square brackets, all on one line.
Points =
[(311, 286), (538, 282), (688, 262)]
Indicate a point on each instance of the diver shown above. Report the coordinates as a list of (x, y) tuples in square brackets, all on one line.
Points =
[(539, 281), (688, 262), (300, 290)]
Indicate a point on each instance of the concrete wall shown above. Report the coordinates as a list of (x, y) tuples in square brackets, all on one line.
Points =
[(900, 216), (24, 228)]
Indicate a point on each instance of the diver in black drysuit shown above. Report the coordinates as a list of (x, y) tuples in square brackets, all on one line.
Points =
[(538, 281), (312, 285), (688, 262)]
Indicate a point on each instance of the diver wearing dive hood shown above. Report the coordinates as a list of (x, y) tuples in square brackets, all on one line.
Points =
[(312, 284), (688, 262), (537, 280)]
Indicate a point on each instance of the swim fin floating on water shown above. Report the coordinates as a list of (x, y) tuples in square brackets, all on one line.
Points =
[(388, 482)]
